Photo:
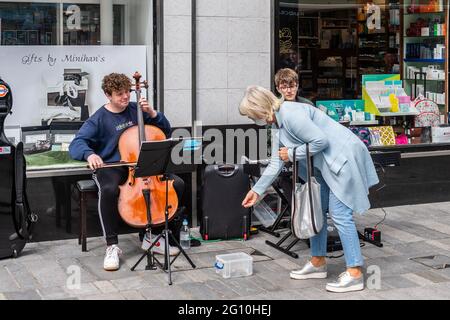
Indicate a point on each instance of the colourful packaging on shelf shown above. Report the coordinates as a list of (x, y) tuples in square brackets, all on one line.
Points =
[(382, 135), (404, 103), (401, 139)]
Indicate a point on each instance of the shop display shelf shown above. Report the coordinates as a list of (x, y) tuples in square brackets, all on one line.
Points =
[(426, 37), (419, 13), (434, 80), (398, 114), (335, 27), (364, 123), (330, 66), (363, 35), (425, 60)]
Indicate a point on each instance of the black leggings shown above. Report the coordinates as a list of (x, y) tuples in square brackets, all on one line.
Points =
[(108, 181)]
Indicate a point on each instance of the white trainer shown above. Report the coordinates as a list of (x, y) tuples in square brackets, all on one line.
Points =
[(112, 260)]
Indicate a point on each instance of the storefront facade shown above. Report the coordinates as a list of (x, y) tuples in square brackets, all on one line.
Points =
[(200, 55), (357, 61), (333, 44)]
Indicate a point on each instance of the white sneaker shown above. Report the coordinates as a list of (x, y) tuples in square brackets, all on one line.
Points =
[(159, 247), (112, 261)]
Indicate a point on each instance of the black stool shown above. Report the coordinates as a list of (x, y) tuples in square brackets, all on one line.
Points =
[(85, 188)]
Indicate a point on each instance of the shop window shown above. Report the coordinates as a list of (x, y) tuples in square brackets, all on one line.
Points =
[(28, 23), (81, 24), (332, 44), (119, 25)]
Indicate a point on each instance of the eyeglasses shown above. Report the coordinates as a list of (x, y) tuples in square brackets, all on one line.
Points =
[(285, 88)]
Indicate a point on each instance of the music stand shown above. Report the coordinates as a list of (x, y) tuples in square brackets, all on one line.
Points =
[(155, 160)]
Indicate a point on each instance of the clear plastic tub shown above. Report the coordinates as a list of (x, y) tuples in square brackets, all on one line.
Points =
[(264, 214), (234, 265)]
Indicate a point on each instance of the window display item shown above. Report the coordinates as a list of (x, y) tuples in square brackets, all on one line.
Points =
[(381, 93), (363, 134), (404, 103), (401, 139), (394, 103), (440, 134), (382, 136), (429, 115), (342, 110), (36, 139), (66, 99)]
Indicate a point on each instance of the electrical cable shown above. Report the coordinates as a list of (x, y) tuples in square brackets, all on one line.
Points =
[(382, 220)]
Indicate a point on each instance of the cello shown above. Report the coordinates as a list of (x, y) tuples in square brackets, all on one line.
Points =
[(132, 198)]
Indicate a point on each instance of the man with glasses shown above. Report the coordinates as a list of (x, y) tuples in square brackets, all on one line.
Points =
[(286, 81)]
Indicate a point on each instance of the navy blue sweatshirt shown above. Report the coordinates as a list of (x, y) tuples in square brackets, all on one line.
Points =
[(101, 132)]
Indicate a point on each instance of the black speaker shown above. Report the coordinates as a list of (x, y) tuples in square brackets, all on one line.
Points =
[(224, 187)]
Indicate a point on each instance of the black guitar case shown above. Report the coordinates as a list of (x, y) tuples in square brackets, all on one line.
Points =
[(16, 219)]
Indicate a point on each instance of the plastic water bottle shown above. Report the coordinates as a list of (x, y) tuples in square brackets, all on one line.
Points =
[(185, 236)]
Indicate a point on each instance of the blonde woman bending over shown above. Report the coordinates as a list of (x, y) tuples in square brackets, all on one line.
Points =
[(342, 165)]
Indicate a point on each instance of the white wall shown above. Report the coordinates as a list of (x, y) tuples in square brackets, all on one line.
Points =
[(233, 52), (139, 31), (177, 62)]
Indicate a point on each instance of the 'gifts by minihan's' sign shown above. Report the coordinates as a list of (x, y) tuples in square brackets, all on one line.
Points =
[(52, 83)]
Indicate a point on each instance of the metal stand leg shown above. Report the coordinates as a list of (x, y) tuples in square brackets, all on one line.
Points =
[(166, 233), (286, 250), (271, 230)]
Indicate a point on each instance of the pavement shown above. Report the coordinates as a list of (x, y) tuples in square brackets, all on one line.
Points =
[(59, 270)]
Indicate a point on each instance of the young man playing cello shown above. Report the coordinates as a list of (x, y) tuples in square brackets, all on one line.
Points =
[(97, 143)]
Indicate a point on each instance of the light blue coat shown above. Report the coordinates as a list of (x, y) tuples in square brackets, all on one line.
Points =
[(343, 160)]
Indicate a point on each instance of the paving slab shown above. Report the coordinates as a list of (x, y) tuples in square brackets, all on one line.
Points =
[(23, 295), (132, 295), (43, 271)]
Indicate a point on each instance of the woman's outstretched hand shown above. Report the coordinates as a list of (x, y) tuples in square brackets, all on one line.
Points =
[(284, 155), (250, 199)]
